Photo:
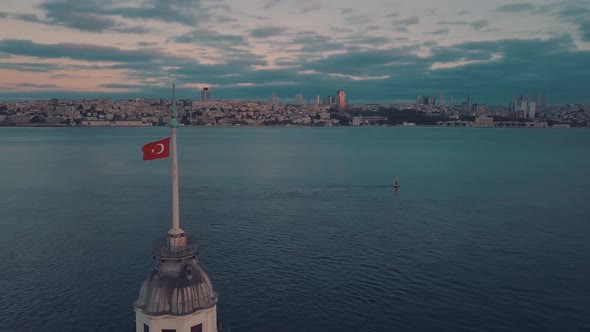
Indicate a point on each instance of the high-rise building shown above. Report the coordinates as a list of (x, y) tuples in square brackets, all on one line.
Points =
[(341, 99), (298, 99), (523, 107), (274, 101), (205, 94), (329, 100), (178, 294), (317, 100), (425, 100)]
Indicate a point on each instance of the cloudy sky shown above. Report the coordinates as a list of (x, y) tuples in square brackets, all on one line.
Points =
[(376, 50)]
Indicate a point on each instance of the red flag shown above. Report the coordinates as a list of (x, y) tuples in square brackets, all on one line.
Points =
[(156, 150)]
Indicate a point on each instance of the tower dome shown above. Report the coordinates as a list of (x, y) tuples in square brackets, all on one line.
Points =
[(177, 285)]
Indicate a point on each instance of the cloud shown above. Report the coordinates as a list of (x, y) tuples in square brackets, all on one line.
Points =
[(210, 37), (474, 24), (27, 18), (33, 67), (98, 16), (312, 62), (413, 20), (479, 24), (516, 7), (311, 8), (439, 32), (121, 86), (585, 30), (267, 32), (37, 86), (271, 4), (359, 19), (575, 12), (371, 41), (146, 44), (63, 13), (85, 52)]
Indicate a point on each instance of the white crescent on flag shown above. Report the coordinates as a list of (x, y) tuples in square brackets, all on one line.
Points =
[(161, 148)]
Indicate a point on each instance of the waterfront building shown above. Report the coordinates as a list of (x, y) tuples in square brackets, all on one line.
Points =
[(483, 121)]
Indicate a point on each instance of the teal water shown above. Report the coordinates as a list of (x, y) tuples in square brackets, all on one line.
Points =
[(300, 228)]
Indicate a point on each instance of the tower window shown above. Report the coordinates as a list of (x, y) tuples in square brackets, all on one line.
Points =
[(168, 330), (197, 328), (146, 328)]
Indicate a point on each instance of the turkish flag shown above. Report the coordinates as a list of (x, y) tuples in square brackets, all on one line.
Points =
[(156, 150)]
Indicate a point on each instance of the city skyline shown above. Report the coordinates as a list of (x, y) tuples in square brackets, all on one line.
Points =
[(381, 52)]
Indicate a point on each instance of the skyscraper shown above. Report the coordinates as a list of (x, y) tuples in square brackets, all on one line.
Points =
[(341, 99), (317, 100), (205, 94), (274, 101), (298, 99), (523, 107)]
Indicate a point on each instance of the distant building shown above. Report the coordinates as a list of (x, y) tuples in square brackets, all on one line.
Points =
[(425, 100), (523, 107), (298, 99), (483, 121), (329, 100), (479, 109), (205, 94), (274, 100), (341, 100), (317, 100)]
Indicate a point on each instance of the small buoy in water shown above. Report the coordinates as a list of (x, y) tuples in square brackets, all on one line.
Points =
[(396, 185)]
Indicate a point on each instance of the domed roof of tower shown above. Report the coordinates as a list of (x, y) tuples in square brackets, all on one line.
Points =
[(176, 287)]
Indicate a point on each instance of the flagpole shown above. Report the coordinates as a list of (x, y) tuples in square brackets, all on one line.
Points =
[(176, 233)]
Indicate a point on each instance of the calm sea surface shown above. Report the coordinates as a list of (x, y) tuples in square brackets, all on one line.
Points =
[(301, 229)]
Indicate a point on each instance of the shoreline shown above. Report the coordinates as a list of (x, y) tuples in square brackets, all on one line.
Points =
[(285, 126)]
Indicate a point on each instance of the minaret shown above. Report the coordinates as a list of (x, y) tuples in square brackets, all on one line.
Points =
[(178, 295)]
